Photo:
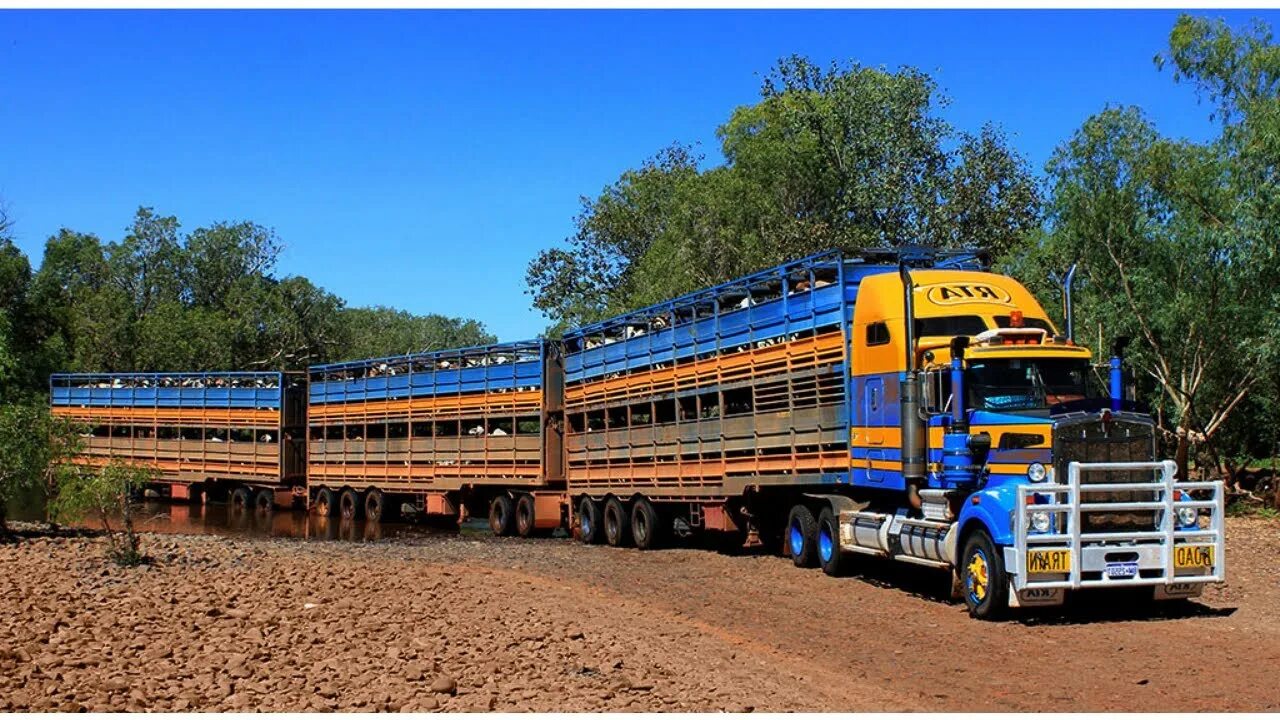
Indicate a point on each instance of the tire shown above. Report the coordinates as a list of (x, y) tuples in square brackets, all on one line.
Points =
[(982, 577), (349, 504), (526, 520), (264, 501), (375, 506), (589, 522), (833, 562), (617, 523), (802, 537), (241, 499), (646, 525), (326, 503), (501, 515)]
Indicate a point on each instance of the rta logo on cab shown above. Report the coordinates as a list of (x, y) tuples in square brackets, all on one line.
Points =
[(956, 293)]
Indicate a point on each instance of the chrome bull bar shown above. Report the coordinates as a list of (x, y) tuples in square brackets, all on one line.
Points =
[(1154, 550)]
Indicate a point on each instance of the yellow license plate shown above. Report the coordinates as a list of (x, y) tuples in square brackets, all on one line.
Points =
[(1048, 561), (1193, 556)]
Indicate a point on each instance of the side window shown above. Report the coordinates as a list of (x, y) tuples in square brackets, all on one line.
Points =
[(877, 334)]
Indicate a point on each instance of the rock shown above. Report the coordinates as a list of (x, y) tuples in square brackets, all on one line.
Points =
[(444, 684)]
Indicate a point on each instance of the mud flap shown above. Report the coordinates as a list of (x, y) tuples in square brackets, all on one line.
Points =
[(1178, 591), (1036, 597)]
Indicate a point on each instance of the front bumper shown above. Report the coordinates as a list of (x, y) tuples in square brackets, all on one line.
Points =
[(1160, 557)]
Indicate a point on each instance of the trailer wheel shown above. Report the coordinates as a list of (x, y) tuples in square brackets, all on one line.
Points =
[(240, 498), (326, 503), (264, 501), (375, 506), (349, 504), (646, 525), (833, 562), (501, 515), (589, 530), (617, 523), (802, 536), (982, 577), (525, 518)]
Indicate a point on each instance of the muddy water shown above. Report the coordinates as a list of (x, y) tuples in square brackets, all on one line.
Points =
[(221, 519)]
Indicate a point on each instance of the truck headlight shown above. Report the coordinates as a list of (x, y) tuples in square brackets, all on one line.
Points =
[(1040, 521), (1036, 472), (1188, 517)]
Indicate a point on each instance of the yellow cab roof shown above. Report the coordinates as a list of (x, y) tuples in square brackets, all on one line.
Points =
[(944, 293)]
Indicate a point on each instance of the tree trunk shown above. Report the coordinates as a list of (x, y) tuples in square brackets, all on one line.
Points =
[(1180, 456)]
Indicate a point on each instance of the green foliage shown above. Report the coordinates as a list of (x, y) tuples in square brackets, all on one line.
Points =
[(381, 331), (161, 300), (34, 446), (105, 494), (842, 157), (1179, 242)]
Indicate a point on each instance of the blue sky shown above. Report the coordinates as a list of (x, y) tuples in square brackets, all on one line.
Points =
[(421, 159)]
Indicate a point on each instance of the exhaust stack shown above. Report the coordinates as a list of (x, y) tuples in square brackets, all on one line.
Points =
[(1068, 313), (913, 465)]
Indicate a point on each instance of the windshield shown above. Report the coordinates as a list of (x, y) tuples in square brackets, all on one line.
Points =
[(1025, 383)]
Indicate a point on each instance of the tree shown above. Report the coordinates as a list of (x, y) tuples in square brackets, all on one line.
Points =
[(105, 494), (1178, 241), (383, 331), (843, 157), (34, 446), (159, 300)]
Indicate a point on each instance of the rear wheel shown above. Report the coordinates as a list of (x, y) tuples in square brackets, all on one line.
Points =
[(264, 501), (375, 506), (349, 504), (982, 577), (240, 498), (617, 523), (326, 503), (589, 530), (526, 521), (501, 515), (646, 527), (802, 537), (833, 562)]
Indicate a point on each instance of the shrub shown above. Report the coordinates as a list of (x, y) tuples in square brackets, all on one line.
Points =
[(105, 494)]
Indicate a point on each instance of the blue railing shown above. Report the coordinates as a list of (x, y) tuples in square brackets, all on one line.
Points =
[(797, 297), (486, 368), (185, 390)]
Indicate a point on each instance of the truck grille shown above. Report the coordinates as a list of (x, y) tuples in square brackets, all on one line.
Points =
[(1091, 440)]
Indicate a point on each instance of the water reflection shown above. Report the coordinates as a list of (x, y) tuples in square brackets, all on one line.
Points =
[(222, 519)]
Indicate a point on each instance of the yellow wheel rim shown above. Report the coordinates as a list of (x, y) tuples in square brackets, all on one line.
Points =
[(978, 579)]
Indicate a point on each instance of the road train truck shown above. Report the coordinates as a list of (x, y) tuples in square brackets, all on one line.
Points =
[(906, 404)]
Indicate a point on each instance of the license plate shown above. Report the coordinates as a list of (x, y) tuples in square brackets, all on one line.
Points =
[(1122, 570), (1048, 561), (1193, 556)]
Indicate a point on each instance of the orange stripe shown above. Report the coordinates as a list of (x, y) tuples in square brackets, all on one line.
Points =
[(266, 469), (171, 416), (753, 465), (512, 402), (423, 472)]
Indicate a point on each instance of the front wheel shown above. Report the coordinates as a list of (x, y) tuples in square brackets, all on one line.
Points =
[(982, 577)]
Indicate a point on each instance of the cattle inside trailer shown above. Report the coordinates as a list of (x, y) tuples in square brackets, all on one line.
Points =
[(467, 432), (231, 435)]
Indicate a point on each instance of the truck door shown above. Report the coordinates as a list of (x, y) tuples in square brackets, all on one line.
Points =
[(873, 403)]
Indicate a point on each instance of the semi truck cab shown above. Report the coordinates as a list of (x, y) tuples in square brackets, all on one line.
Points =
[(986, 441)]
